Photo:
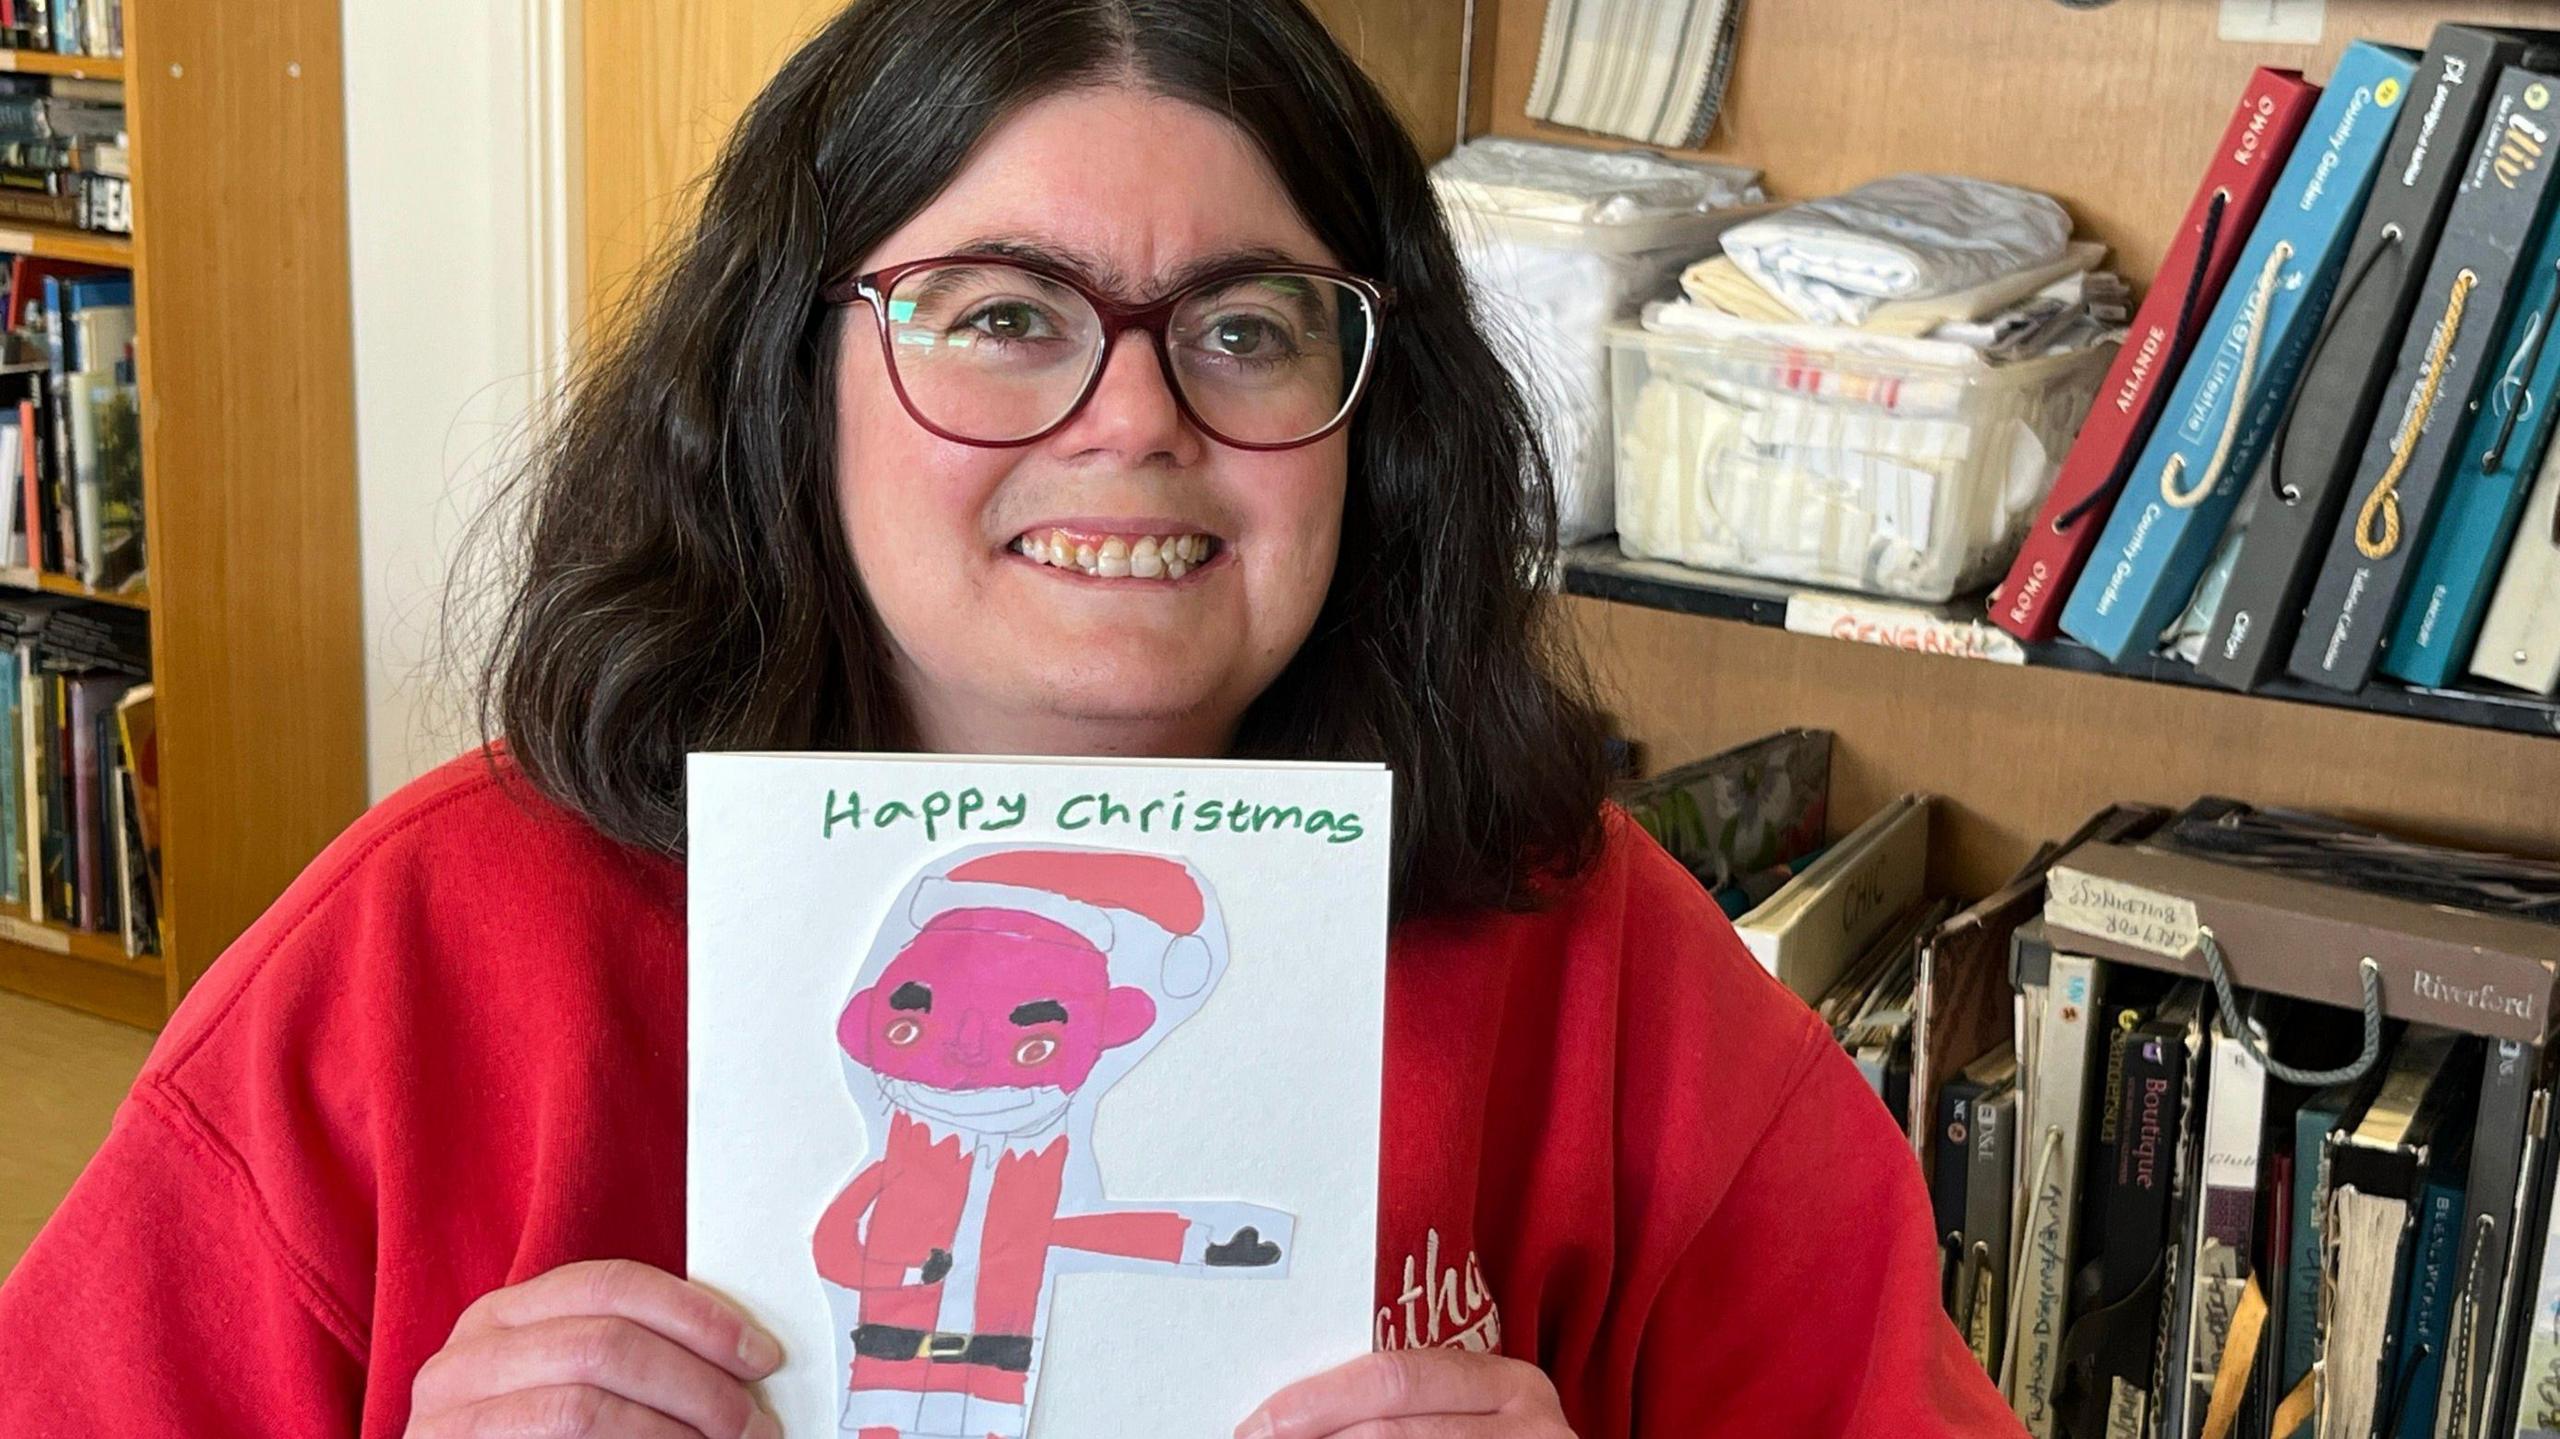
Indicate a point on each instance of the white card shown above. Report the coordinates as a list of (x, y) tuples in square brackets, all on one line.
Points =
[(1036, 1097)]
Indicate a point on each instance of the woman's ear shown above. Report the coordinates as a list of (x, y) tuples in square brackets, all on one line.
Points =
[(1128, 1013)]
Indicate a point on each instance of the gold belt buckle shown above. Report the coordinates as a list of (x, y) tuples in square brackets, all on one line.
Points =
[(943, 1346)]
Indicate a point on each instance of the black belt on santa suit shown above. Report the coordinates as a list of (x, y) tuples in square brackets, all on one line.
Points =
[(1009, 1352)]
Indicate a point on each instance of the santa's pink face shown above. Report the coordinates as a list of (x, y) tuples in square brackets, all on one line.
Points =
[(992, 999)]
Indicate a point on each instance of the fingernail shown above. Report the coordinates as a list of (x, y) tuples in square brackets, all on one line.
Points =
[(757, 1351), (1257, 1427), (763, 1426)]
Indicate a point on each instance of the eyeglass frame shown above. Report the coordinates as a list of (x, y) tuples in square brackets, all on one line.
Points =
[(872, 289)]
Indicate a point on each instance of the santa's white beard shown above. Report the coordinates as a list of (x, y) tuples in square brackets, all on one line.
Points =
[(1009, 1110)]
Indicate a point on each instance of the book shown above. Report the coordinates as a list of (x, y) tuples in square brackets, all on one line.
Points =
[(2523, 1383), (2444, 363), (2260, 134), (2377, 1167), (2319, 1116), (1743, 821), (31, 691), (2510, 1075), (2186, 1169), (1982, 1279), (12, 868), (2235, 385), (2492, 471), (2113, 1330), (1807, 933), (1207, 940), (139, 737), (2426, 1317), (2519, 642), (2050, 1158), (2223, 1237), (1952, 1162)]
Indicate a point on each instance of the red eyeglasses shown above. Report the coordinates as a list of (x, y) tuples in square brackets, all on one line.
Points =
[(990, 351)]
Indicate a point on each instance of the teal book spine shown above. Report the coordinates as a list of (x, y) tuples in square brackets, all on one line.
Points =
[(2428, 1316), (2233, 390), (2507, 443), (2311, 1126)]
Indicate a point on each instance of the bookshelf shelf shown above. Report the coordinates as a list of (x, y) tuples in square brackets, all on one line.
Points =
[(1597, 570), (80, 944), (53, 584), (73, 67), (55, 243)]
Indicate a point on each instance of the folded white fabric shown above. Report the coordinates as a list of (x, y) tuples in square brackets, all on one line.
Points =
[(1903, 237), (1533, 180)]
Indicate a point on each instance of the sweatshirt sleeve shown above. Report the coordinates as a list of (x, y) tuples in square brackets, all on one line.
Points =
[(1808, 1304), (160, 1300)]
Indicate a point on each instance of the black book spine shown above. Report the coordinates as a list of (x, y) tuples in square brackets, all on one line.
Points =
[(2342, 387), (2508, 1072), (1951, 1161), (2496, 218)]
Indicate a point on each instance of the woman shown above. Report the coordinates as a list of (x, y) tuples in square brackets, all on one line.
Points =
[(870, 469)]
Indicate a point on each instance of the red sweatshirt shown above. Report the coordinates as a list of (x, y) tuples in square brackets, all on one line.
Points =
[(451, 1057)]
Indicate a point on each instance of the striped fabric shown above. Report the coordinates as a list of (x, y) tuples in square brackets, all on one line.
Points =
[(1649, 70)]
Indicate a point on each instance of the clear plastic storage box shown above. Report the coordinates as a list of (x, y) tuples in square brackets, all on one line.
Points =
[(1559, 243), (1829, 457)]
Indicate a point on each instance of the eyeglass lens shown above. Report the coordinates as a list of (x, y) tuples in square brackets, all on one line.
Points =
[(996, 353)]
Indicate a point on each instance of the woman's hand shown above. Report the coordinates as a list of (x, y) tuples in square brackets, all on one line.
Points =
[(606, 1348), (1415, 1394)]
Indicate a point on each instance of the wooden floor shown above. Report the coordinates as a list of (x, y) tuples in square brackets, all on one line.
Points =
[(61, 1076)]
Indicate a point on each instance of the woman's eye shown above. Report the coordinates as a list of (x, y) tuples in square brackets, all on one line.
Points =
[(1035, 1050), (1247, 337), (904, 1032), (1009, 320)]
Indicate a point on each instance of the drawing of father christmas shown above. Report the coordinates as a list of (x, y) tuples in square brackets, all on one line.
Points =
[(1010, 987)]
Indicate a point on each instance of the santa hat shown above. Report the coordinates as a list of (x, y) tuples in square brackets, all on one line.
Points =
[(1148, 915)]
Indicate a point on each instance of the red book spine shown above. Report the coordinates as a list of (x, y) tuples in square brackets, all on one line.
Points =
[(2263, 127)]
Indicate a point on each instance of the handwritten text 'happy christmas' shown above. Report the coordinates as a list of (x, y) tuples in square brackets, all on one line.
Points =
[(940, 812)]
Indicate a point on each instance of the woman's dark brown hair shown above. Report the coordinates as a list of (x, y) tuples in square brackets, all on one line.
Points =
[(682, 582)]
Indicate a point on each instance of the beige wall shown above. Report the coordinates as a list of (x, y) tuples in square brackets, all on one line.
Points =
[(665, 80)]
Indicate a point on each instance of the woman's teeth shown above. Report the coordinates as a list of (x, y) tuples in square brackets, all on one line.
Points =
[(1148, 557)]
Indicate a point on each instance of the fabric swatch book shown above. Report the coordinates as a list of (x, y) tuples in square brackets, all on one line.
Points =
[(2314, 456), (1810, 931), (2519, 642), (2260, 134), (1652, 71), (1036, 1098), (2235, 385), (2445, 363), (2493, 471)]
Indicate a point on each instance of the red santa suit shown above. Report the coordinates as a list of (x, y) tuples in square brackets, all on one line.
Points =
[(912, 1229)]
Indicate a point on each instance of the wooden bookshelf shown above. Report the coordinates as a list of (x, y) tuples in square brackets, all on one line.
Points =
[(245, 353), (70, 67), (2125, 104), (56, 243)]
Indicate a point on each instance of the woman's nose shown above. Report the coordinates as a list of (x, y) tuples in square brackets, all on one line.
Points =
[(1132, 412)]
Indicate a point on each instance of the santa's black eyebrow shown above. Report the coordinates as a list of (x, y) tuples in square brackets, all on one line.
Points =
[(1040, 1011), (912, 995)]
